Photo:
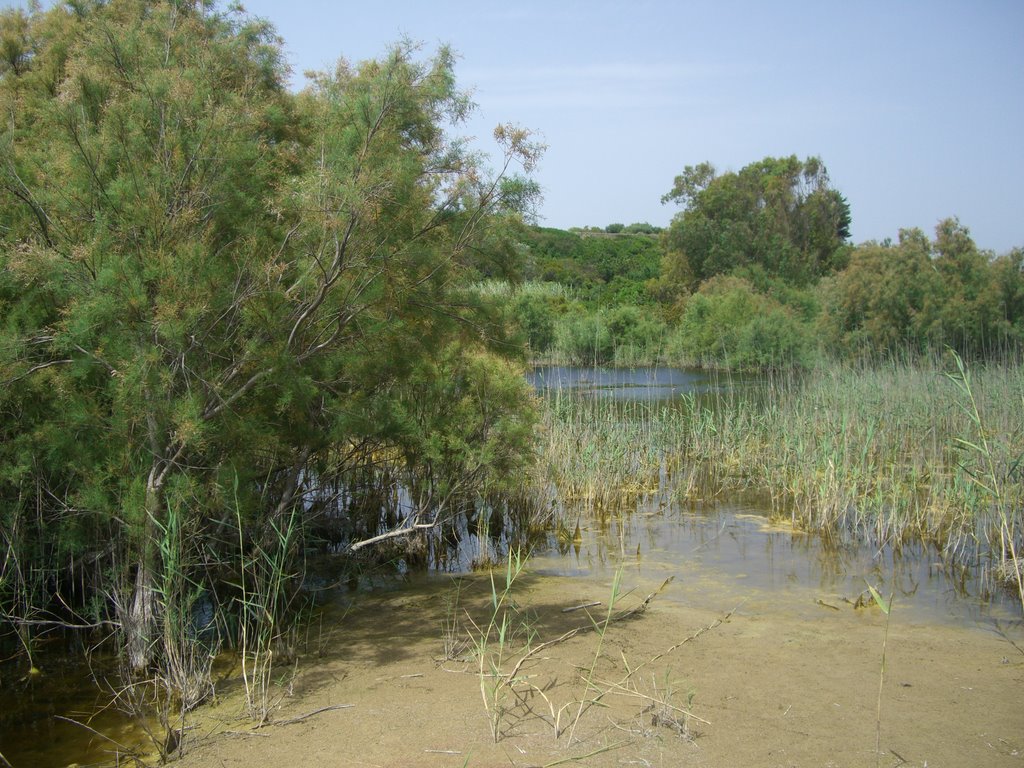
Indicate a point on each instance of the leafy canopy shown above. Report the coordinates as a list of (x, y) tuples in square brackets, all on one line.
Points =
[(781, 214)]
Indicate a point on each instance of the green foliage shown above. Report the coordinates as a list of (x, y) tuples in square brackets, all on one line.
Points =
[(584, 339), (604, 269), (920, 294), (623, 335), (469, 417), (1007, 285), (779, 213), (642, 228), (536, 319), (637, 334), (729, 324), (204, 276)]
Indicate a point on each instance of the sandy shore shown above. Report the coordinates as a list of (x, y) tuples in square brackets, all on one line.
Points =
[(677, 685)]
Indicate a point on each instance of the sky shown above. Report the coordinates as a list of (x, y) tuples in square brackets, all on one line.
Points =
[(916, 108)]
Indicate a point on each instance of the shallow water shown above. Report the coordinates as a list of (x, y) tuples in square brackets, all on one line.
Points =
[(733, 553), (641, 384), (31, 731)]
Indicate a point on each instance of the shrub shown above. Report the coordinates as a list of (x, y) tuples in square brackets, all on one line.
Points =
[(585, 340), (727, 323), (535, 317)]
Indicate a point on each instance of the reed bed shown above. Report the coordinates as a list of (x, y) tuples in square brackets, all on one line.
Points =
[(886, 452), (601, 456)]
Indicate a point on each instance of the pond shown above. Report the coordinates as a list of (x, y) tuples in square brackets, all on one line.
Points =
[(632, 384), (720, 553)]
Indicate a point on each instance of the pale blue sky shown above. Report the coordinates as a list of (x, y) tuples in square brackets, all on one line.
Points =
[(917, 108)]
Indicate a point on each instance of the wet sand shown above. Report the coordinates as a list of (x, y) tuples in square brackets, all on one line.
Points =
[(783, 681)]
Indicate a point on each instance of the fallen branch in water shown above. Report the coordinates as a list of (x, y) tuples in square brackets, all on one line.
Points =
[(300, 718), (581, 606), (588, 628), (393, 534), (20, 622)]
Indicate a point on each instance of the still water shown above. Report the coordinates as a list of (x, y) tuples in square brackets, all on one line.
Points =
[(643, 384), (729, 548), (719, 555), (730, 552)]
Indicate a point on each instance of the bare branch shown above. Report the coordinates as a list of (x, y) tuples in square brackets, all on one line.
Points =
[(19, 622), (397, 532), (35, 368)]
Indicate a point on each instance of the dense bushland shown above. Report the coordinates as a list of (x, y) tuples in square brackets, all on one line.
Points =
[(757, 272)]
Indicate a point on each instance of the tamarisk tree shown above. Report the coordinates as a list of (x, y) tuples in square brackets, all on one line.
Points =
[(215, 292)]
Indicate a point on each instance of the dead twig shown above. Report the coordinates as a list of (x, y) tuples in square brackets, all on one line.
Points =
[(713, 625), (620, 686), (300, 718), (587, 628), (621, 690), (596, 752), (581, 606), (246, 733), (17, 621)]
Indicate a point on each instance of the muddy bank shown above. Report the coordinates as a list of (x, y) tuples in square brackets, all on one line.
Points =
[(781, 681)]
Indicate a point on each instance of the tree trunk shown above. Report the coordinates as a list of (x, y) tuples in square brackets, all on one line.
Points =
[(139, 625), (139, 622)]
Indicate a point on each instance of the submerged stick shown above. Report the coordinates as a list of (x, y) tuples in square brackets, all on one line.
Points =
[(581, 606), (300, 718), (587, 628)]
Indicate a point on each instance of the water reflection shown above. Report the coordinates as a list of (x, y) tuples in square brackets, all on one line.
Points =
[(732, 552), (643, 384)]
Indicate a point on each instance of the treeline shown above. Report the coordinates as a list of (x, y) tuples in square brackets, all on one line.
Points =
[(757, 271)]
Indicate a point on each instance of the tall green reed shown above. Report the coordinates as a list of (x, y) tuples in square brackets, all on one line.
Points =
[(875, 450), (997, 457), (492, 642), (268, 622)]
